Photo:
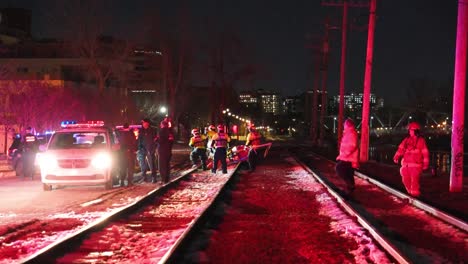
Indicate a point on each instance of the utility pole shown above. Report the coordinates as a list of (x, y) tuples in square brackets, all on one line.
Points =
[(344, 33), (364, 150), (458, 112), (316, 53), (324, 70)]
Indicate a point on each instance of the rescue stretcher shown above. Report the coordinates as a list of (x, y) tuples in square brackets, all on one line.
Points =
[(241, 153)]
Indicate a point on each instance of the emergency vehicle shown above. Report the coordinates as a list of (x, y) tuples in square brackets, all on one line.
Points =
[(80, 154)]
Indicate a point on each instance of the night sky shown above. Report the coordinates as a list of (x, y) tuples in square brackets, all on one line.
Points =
[(413, 39)]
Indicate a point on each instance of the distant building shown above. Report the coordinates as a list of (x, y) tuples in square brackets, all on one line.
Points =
[(269, 102), (293, 105), (309, 103), (353, 101), (248, 100)]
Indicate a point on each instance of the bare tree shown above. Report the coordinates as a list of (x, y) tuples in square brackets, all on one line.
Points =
[(39, 104), (87, 26)]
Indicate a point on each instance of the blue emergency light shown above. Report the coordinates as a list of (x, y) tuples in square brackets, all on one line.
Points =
[(67, 122)]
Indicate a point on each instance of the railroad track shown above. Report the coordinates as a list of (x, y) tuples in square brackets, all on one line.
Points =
[(407, 228), (408, 234), (147, 220)]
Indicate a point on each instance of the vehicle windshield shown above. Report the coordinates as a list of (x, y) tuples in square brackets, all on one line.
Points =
[(78, 140)]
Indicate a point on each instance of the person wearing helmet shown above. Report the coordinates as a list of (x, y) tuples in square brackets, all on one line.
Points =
[(347, 160), (415, 158), (253, 139), (198, 144), (220, 142), (209, 135), (165, 140)]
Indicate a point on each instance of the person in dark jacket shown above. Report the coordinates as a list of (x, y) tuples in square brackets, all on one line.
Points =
[(128, 148), (165, 141), (29, 146), (147, 147)]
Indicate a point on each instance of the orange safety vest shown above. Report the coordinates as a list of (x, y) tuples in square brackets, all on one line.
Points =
[(253, 138), (197, 142), (221, 140)]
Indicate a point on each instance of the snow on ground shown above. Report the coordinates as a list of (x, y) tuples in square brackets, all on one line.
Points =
[(342, 222), (152, 232)]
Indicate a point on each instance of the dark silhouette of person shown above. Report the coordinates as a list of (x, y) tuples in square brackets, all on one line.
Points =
[(128, 148), (29, 147), (147, 147), (165, 141)]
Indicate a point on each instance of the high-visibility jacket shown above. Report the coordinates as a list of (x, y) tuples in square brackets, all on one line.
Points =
[(349, 149), (253, 138), (209, 136), (197, 142), (220, 140), (414, 151)]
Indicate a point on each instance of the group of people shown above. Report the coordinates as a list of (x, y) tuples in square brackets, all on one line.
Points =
[(216, 142), (145, 142), (412, 153)]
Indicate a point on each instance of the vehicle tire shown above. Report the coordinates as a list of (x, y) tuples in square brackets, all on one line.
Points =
[(112, 180), (47, 187), (109, 184), (19, 168)]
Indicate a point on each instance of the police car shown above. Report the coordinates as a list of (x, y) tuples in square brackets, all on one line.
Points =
[(80, 154)]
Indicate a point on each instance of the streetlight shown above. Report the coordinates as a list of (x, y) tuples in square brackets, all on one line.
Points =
[(163, 110), (334, 124)]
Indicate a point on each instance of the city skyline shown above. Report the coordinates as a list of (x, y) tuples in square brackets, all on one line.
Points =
[(413, 40)]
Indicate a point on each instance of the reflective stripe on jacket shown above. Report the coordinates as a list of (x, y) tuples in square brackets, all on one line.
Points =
[(220, 140), (414, 152), (197, 142)]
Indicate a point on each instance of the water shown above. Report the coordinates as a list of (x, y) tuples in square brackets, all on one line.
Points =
[(439, 160)]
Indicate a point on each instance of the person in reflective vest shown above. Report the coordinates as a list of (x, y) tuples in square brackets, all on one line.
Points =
[(253, 139), (220, 142), (198, 144), (29, 148), (415, 158), (209, 135), (347, 160)]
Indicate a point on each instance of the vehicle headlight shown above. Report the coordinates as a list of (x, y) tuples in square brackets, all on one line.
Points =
[(102, 161), (47, 161)]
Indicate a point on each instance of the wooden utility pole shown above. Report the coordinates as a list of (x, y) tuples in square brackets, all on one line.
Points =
[(364, 150), (458, 112), (344, 36)]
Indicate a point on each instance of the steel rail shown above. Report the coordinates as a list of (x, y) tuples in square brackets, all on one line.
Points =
[(394, 252), (43, 255), (438, 213), (452, 220), (172, 253)]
